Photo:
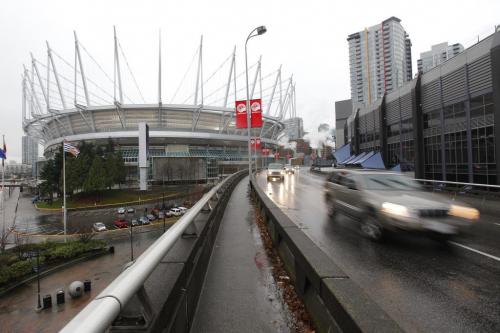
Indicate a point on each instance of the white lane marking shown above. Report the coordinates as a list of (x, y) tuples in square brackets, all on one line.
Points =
[(498, 224), (476, 251)]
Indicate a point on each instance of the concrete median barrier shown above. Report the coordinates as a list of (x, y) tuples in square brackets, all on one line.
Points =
[(333, 300)]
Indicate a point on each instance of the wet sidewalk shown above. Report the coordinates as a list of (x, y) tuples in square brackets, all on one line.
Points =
[(17, 308), (239, 293)]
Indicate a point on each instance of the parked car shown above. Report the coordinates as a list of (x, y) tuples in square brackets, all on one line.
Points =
[(275, 170), (121, 224), (384, 200), (144, 220), (155, 211), (121, 210), (134, 222), (168, 213), (151, 217), (131, 210), (176, 212), (161, 215), (183, 210), (99, 226)]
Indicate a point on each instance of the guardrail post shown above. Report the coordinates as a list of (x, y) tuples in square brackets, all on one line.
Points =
[(136, 315)]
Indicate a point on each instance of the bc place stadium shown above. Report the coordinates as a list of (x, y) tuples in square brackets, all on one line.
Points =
[(193, 138)]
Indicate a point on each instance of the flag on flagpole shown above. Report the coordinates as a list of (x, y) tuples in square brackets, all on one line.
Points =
[(71, 149), (3, 152)]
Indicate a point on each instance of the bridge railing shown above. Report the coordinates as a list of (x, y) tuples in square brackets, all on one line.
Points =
[(100, 313)]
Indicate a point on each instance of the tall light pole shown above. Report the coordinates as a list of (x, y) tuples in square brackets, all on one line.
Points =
[(255, 32)]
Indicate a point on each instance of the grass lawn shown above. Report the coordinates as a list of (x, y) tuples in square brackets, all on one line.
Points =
[(105, 198)]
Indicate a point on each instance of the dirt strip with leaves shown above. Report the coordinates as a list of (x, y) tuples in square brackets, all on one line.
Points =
[(302, 320)]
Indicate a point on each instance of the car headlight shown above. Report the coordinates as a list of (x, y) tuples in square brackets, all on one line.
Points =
[(464, 212), (395, 209)]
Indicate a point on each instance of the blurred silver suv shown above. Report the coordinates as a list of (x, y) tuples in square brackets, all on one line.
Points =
[(383, 200)]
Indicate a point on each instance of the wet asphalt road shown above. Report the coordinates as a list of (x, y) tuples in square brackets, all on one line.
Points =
[(424, 286)]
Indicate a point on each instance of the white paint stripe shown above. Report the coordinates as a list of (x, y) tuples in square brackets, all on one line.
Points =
[(498, 224), (476, 251)]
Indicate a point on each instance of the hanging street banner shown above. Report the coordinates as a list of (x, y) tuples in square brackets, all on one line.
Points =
[(256, 107), (241, 114), (277, 155), (255, 143), (265, 151)]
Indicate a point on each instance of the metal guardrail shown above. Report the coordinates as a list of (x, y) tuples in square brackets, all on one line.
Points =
[(100, 313), (458, 183)]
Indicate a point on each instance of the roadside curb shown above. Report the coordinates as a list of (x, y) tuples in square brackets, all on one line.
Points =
[(170, 196)]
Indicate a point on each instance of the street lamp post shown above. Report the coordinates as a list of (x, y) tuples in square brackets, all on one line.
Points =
[(255, 32), (38, 277), (163, 209), (131, 242)]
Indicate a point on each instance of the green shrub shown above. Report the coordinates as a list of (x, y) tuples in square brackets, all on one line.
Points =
[(12, 268), (19, 269)]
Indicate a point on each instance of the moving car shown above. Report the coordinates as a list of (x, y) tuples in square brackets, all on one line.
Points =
[(130, 210), (289, 169), (121, 210), (383, 200), (121, 224), (99, 226), (275, 170)]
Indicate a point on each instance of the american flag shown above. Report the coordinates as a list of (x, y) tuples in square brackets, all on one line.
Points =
[(71, 149)]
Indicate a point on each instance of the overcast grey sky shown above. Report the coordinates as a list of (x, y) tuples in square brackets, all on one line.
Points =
[(307, 37)]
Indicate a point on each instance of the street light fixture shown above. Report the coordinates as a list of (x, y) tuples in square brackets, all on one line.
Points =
[(255, 32)]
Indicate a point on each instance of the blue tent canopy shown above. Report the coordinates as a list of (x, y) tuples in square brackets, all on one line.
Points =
[(349, 159), (364, 158), (397, 168), (343, 153), (374, 162), (360, 156)]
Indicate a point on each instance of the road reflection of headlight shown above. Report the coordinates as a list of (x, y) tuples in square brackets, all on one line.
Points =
[(464, 212), (281, 193), (269, 188), (395, 209)]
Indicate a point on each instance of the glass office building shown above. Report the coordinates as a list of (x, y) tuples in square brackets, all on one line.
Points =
[(444, 124)]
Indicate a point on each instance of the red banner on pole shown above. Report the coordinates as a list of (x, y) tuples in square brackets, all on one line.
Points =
[(265, 151), (277, 155), (256, 108), (241, 114), (255, 143)]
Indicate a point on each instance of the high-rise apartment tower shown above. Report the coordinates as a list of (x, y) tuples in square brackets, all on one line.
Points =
[(379, 60)]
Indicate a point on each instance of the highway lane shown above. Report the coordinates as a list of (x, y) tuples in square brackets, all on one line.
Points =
[(424, 286)]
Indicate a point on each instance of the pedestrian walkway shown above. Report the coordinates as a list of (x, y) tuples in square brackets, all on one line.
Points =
[(239, 293)]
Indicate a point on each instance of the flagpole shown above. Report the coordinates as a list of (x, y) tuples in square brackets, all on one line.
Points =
[(3, 193), (64, 192)]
